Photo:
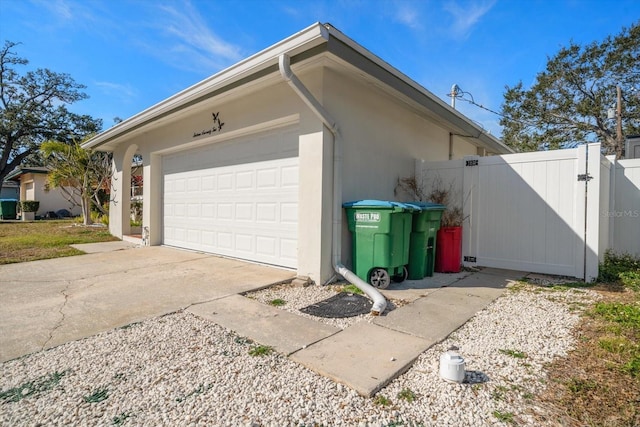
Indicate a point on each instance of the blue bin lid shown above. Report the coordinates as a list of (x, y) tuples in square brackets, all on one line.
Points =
[(427, 206), (380, 204), (8, 200)]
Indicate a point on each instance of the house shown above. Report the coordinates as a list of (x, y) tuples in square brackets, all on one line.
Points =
[(32, 183), (255, 161), (137, 189)]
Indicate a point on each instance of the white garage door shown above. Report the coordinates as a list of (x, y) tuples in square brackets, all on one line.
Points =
[(237, 198)]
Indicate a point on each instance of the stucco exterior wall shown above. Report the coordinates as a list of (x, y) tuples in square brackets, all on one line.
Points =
[(381, 139), (247, 112), (32, 187), (462, 148)]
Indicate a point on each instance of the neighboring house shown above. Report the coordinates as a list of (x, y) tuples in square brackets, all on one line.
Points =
[(136, 193), (255, 162), (10, 190), (136, 181), (32, 182)]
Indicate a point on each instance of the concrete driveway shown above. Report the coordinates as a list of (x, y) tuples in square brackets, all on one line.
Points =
[(46, 303)]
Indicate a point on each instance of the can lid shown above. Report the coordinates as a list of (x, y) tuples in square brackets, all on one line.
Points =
[(427, 206), (380, 204)]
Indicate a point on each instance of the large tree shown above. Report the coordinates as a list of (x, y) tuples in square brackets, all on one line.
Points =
[(33, 110), (81, 175), (569, 102)]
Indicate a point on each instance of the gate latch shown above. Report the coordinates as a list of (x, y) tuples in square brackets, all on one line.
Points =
[(584, 177)]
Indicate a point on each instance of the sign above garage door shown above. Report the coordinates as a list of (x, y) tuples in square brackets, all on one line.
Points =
[(236, 198)]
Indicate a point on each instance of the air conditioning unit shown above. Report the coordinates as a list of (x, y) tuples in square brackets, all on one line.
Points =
[(632, 147)]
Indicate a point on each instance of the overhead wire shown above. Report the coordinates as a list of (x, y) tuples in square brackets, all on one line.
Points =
[(460, 93)]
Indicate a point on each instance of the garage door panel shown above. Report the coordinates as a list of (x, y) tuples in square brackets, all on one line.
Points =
[(208, 238), (289, 176), (266, 213), (289, 249), (246, 210), (244, 181), (289, 213), (266, 178)]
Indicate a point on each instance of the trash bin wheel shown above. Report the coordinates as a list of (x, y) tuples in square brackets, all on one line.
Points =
[(379, 278), (399, 278)]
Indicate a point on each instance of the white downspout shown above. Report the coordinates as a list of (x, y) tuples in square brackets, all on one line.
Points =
[(379, 302)]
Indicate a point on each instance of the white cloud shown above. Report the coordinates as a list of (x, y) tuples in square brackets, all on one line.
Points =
[(466, 15), (188, 41), (74, 15), (61, 9), (123, 91), (408, 15)]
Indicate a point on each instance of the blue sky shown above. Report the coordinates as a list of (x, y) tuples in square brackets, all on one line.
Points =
[(132, 54)]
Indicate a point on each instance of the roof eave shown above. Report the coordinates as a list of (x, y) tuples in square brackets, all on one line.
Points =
[(304, 40), (19, 171)]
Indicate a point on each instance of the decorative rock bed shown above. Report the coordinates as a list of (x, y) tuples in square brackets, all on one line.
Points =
[(182, 370)]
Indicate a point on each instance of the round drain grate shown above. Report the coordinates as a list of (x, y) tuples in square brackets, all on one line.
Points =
[(340, 305)]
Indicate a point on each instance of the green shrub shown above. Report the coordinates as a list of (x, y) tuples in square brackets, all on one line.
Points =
[(29, 205), (616, 264)]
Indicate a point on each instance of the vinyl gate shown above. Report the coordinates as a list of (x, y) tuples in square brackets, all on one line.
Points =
[(536, 212)]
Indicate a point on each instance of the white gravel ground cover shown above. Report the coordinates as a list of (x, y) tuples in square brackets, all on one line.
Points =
[(295, 298), (182, 370)]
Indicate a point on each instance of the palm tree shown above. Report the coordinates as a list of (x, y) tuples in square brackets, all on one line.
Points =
[(80, 174)]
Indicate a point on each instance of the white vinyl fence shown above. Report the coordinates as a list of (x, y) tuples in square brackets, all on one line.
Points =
[(552, 212), (622, 214)]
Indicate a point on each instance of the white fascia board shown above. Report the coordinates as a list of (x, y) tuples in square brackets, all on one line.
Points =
[(310, 37)]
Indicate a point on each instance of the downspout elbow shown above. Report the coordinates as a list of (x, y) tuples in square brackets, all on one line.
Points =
[(284, 64), (284, 67)]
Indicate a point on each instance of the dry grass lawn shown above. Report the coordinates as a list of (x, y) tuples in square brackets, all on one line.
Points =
[(598, 384), (30, 241)]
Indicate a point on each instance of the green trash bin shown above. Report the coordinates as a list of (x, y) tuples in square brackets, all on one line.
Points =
[(8, 208), (380, 232), (422, 246)]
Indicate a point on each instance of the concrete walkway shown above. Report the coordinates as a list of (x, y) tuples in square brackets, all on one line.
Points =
[(47, 303), (367, 356)]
